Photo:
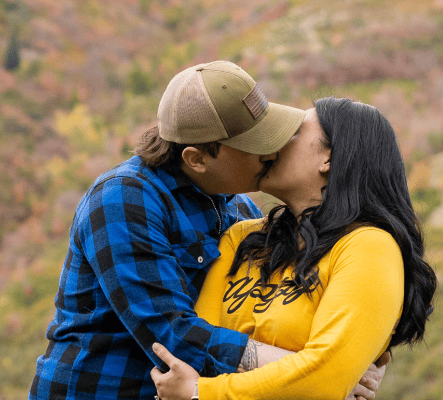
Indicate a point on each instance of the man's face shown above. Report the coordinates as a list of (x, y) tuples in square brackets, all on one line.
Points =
[(234, 171)]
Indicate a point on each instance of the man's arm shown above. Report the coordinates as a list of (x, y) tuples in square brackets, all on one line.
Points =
[(127, 246), (257, 354)]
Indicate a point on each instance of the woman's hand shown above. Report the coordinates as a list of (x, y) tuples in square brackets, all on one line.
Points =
[(370, 382), (179, 382)]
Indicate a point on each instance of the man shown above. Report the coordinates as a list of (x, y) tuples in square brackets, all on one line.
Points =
[(145, 233)]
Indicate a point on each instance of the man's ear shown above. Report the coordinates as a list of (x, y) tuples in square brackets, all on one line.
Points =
[(194, 159)]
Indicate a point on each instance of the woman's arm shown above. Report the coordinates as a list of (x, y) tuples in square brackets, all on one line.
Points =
[(182, 380), (258, 354)]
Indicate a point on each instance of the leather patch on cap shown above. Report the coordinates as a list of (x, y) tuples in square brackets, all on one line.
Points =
[(256, 101)]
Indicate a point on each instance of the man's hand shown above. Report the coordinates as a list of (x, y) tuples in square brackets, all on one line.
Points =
[(179, 382), (370, 382)]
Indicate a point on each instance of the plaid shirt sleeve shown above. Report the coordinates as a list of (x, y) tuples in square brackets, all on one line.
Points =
[(123, 234)]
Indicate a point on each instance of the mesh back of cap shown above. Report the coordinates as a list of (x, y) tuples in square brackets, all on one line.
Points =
[(186, 113), (166, 107)]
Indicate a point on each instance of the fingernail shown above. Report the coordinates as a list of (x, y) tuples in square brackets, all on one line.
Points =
[(155, 347)]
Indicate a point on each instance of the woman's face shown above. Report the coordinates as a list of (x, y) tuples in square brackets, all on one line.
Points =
[(301, 169)]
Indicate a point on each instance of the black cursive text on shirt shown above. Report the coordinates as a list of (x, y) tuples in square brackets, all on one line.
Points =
[(239, 291)]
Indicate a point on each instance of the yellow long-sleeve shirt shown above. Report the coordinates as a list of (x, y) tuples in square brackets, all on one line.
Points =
[(337, 335)]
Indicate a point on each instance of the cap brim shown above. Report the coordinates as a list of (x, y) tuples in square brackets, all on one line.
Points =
[(271, 133)]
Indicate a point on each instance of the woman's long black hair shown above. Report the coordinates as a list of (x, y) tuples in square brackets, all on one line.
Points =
[(366, 186)]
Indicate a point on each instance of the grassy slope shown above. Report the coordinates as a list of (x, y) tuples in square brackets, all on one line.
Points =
[(272, 42)]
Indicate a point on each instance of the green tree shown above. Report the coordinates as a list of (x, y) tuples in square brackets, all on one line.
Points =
[(12, 55), (139, 81), (425, 200)]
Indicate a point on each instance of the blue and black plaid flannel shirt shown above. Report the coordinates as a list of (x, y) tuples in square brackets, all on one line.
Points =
[(141, 243)]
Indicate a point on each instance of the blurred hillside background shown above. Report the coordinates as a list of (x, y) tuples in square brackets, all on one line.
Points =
[(80, 81)]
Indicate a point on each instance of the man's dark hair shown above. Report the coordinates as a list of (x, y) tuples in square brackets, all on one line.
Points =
[(157, 152)]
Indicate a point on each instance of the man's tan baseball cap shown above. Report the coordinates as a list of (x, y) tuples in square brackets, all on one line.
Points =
[(219, 101)]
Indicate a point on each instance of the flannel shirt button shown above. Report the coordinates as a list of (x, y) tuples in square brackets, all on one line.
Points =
[(200, 259)]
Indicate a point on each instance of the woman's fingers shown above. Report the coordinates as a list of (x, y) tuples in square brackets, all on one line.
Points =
[(163, 353), (156, 374), (363, 391), (370, 380), (179, 382)]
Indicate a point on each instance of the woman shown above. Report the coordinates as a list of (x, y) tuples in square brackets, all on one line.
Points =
[(344, 252)]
